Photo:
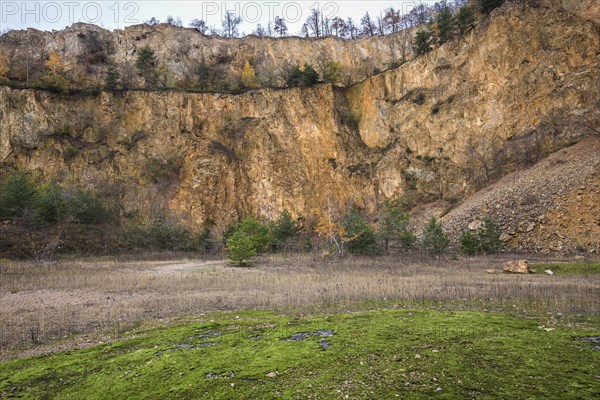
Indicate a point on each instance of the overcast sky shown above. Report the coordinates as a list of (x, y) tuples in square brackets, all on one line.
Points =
[(56, 15)]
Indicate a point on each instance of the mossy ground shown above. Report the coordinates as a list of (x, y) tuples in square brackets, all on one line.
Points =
[(381, 353), (568, 268)]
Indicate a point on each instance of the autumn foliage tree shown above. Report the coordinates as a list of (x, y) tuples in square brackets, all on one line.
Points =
[(55, 70), (249, 79), (333, 232), (4, 68), (55, 63)]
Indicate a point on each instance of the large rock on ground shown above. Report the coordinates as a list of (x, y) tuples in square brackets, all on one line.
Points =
[(517, 267)]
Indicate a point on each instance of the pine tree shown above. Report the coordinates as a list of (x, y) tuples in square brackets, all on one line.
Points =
[(241, 248), (283, 229), (280, 26), (259, 233), (489, 237), (465, 19), (469, 243), (394, 227), (444, 25), (146, 64), (310, 77), (16, 194), (434, 238), (422, 43), (363, 236)]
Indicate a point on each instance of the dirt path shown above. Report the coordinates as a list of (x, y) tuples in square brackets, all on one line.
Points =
[(187, 267)]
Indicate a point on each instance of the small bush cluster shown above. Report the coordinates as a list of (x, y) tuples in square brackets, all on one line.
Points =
[(40, 218), (21, 198), (301, 76), (161, 235), (251, 237), (37, 206), (349, 118), (434, 240), (447, 25), (165, 168)]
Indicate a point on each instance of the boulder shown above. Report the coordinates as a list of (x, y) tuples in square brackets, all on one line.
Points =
[(517, 267), (548, 272), (491, 271)]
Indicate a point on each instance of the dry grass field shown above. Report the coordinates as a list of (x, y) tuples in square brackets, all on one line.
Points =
[(76, 304)]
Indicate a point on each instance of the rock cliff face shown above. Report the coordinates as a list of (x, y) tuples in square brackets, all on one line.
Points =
[(181, 52), (509, 89), (443, 125), (217, 156)]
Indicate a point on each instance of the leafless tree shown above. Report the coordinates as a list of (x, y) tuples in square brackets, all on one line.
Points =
[(230, 25), (313, 23), (280, 26), (269, 30), (368, 26), (351, 29), (380, 25), (325, 26), (199, 25), (392, 20), (405, 38), (259, 31), (338, 27), (419, 15), (175, 21)]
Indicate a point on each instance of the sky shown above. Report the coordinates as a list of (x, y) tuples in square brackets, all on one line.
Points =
[(56, 15)]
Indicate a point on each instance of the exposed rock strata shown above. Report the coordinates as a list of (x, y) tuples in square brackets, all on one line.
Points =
[(511, 91)]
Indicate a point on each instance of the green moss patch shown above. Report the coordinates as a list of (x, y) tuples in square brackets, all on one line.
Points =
[(384, 353), (568, 268)]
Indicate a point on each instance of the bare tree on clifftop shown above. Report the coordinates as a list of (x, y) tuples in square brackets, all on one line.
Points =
[(230, 25), (368, 26), (313, 23), (280, 26), (199, 25)]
